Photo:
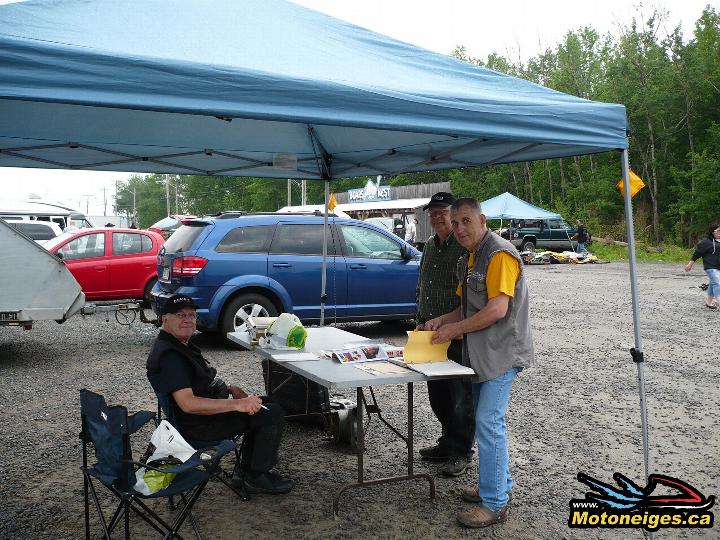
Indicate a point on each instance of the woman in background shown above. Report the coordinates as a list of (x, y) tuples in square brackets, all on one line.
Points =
[(709, 249)]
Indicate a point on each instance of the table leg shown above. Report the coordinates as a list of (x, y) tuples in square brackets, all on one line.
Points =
[(361, 450), (360, 436)]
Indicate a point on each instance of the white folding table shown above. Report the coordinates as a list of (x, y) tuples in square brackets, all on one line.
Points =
[(335, 375)]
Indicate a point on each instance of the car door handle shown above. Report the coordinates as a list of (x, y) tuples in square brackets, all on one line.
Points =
[(282, 265), (358, 266), (100, 268)]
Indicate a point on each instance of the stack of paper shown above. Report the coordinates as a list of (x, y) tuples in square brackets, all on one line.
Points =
[(429, 358)]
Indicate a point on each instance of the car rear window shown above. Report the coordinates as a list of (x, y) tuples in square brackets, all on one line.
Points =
[(36, 231), (245, 239), (183, 238), (166, 223)]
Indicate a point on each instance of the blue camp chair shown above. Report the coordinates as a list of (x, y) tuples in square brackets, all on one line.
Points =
[(233, 480), (108, 429)]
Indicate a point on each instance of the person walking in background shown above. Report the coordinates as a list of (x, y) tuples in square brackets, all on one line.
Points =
[(450, 399), (411, 232), (71, 227), (709, 249), (494, 322), (581, 236)]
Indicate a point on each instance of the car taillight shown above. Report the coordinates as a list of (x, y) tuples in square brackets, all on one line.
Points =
[(188, 266)]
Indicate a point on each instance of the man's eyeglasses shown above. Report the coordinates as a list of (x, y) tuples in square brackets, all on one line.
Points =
[(439, 213), (189, 316)]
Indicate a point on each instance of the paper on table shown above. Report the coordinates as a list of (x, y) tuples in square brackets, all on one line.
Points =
[(385, 368), (445, 369), (419, 349), (295, 357)]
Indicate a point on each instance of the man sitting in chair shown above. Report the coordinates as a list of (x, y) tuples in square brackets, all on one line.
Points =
[(205, 408)]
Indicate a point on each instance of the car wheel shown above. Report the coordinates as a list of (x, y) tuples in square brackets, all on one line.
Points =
[(528, 245), (146, 295), (244, 306)]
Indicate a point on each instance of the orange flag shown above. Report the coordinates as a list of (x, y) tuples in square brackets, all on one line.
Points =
[(636, 184), (332, 203)]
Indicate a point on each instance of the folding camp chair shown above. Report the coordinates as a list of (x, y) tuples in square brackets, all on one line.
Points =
[(234, 479), (108, 429)]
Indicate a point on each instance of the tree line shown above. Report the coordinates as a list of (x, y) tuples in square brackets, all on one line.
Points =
[(669, 84)]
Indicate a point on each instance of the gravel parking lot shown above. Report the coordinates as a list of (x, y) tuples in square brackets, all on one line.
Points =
[(576, 411)]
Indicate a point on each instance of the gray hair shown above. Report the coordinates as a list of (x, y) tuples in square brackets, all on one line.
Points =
[(470, 202)]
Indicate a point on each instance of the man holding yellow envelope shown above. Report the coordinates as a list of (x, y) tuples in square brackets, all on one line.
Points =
[(494, 322), (450, 399)]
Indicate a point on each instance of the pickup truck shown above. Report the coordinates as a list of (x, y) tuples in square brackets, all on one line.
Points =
[(532, 234)]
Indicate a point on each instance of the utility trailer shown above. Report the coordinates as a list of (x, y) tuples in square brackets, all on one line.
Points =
[(37, 286)]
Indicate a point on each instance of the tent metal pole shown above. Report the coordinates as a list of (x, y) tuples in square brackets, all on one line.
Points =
[(636, 352), (323, 294)]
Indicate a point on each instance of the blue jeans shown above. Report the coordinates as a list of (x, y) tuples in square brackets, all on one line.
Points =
[(581, 248), (490, 399), (714, 287)]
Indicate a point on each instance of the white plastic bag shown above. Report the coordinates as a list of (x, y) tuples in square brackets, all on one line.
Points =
[(168, 443), (285, 333)]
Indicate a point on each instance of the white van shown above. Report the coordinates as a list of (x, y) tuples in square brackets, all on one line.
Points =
[(39, 211)]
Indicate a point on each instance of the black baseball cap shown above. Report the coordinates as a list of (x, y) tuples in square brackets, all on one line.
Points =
[(177, 302), (441, 198)]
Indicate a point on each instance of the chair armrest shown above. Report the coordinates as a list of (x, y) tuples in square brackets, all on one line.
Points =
[(203, 457), (138, 420)]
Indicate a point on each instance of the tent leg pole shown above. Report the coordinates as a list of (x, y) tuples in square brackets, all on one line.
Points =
[(323, 287), (636, 352)]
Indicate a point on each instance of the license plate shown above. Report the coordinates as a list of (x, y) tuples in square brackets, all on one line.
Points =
[(8, 316), (166, 273)]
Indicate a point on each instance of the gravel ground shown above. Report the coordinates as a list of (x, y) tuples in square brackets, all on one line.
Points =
[(577, 410)]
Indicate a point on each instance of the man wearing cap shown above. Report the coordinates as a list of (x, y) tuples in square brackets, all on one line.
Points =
[(205, 408), (494, 322), (450, 399)]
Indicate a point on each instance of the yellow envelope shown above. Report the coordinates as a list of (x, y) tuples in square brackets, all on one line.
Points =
[(418, 348)]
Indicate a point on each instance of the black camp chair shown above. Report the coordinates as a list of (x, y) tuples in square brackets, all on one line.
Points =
[(108, 429), (233, 480)]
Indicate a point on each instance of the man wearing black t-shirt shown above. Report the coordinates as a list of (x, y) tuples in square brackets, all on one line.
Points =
[(205, 408), (582, 237)]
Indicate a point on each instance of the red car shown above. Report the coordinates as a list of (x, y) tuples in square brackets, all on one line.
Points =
[(110, 263), (168, 225)]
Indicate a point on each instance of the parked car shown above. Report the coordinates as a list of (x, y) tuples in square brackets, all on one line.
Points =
[(168, 225), (38, 230), (110, 263), (393, 225), (532, 234), (265, 264)]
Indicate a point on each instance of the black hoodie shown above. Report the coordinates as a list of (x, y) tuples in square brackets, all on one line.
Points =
[(709, 250)]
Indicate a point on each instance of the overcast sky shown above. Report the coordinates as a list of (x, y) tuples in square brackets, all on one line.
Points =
[(513, 28)]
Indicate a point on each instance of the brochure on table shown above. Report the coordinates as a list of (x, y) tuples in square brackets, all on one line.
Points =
[(421, 356)]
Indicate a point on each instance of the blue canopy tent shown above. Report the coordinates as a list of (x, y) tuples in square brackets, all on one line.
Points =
[(508, 206), (268, 88)]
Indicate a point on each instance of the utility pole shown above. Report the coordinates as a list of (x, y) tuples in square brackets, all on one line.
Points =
[(167, 193), (104, 201), (303, 192), (176, 196), (289, 185), (134, 207)]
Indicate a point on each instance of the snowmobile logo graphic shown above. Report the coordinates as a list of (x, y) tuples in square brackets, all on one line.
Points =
[(664, 502)]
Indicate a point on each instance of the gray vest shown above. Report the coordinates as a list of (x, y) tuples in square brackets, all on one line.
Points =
[(507, 343)]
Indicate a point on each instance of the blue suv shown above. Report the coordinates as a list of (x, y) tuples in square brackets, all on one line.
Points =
[(235, 265)]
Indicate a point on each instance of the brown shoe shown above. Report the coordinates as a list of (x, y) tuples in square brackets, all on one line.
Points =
[(470, 494), (481, 516)]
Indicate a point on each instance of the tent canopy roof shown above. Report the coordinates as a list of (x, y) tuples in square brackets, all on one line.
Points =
[(508, 206), (262, 88)]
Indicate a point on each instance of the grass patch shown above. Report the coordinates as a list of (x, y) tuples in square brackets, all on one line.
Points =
[(643, 252)]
